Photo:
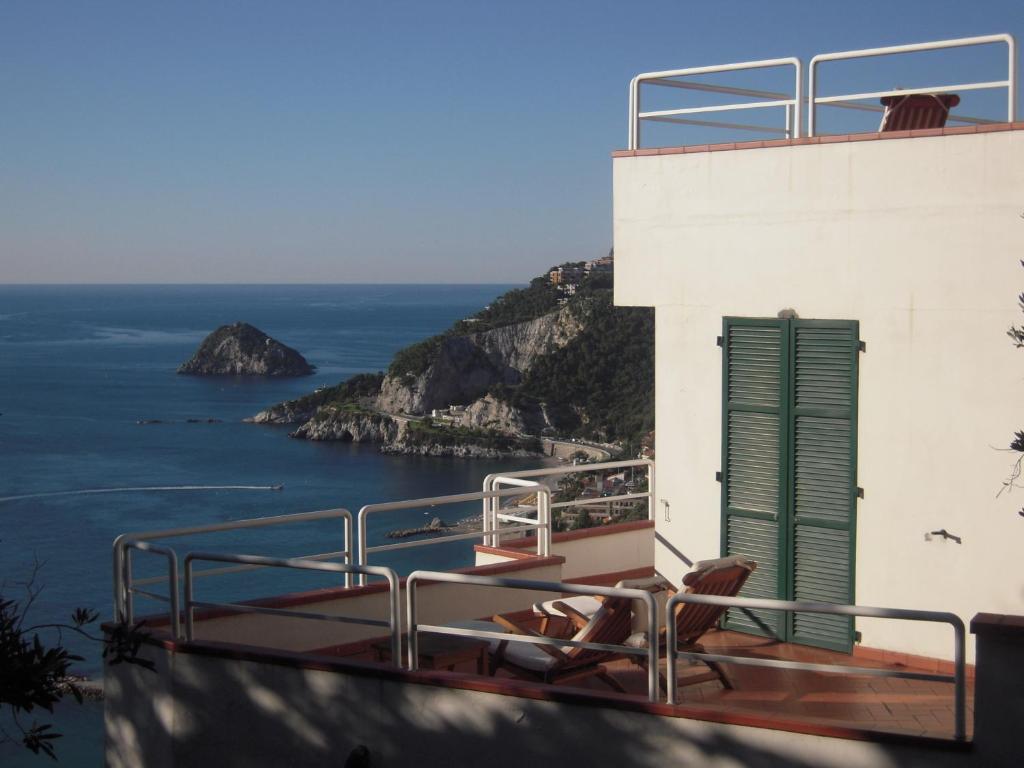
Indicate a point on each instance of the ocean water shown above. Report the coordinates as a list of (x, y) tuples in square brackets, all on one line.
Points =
[(81, 365)]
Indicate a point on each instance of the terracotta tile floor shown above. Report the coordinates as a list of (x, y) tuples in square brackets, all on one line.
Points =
[(896, 705), (918, 707)]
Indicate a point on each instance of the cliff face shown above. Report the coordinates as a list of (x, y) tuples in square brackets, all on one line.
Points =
[(491, 413), (331, 423), (242, 350), (466, 367)]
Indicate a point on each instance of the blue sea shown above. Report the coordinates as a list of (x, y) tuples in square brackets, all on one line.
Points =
[(81, 366)]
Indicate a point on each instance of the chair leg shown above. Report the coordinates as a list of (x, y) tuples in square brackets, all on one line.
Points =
[(607, 678), (717, 668)]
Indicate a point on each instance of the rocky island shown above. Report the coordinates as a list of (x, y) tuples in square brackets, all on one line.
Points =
[(243, 350), (541, 361)]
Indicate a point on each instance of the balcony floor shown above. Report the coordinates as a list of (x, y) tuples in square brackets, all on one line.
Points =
[(893, 705)]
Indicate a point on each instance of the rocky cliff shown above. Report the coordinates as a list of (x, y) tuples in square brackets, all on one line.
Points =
[(465, 367), (349, 425), (242, 350)]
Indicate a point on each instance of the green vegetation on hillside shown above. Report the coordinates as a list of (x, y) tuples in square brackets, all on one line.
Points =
[(349, 391), (516, 306), (600, 386)]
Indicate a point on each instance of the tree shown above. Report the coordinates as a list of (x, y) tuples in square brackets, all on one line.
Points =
[(35, 667)]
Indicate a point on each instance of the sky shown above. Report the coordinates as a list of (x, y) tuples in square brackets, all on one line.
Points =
[(367, 142)]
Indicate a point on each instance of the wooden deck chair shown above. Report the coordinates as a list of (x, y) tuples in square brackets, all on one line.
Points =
[(725, 577), (917, 110), (610, 624)]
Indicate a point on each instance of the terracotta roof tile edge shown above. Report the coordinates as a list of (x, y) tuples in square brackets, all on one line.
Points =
[(956, 130)]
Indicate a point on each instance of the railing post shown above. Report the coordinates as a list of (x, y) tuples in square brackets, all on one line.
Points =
[(189, 619), (129, 602), (348, 549), (651, 506), (361, 535), (798, 96), (671, 660), (1011, 76), (959, 682), (413, 645), (812, 95)]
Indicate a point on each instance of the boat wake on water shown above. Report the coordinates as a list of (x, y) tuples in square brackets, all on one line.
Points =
[(142, 488)]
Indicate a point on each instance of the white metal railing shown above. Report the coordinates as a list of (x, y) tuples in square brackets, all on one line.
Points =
[(171, 598), (793, 103), (790, 102), (493, 516), (542, 525), (414, 627), (1009, 83), (393, 622), (958, 678), (125, 587)]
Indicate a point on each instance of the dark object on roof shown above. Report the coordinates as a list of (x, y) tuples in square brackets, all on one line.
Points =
[(917, 110)]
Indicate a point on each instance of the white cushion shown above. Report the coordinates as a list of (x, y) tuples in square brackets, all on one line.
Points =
[(530, 656), (585, 604)]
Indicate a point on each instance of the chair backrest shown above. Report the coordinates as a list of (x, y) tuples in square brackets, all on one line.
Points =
[(917, 110), (725, 577), (611, 624)]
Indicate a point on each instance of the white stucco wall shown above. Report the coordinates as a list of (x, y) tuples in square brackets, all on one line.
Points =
[(918, 239)]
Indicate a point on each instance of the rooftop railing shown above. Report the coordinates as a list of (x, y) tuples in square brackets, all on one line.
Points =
[(126, 586), (493, 516), (542, 523), (792, 102), (673, 654), (393, 621)]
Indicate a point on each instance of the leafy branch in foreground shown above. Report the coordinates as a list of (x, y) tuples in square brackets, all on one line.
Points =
[(35, 667)]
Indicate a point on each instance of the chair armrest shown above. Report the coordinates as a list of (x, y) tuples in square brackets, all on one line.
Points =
[(578, 619), (649, 583)]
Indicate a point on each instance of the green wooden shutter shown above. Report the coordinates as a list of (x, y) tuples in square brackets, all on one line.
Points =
[(823, 433), (754, 386)]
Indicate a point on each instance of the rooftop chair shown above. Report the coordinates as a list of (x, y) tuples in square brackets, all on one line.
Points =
[(611, 623), (917, 110), (724, 576)]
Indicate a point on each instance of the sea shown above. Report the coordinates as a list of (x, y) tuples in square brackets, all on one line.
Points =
[(99, 436)]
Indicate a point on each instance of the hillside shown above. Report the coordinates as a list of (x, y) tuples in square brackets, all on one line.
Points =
[(539, 361)]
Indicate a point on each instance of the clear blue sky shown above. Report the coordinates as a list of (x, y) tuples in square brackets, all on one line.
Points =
[(359, 142)]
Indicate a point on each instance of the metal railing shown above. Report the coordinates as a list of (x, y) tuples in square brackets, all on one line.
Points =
[(393, 622), (958, 678), (125, 587), (542, 525), (493, 516), (171, 598), (790, 102), (845, 99), (414, 627)]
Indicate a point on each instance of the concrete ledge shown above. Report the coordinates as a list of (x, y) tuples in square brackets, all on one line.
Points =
[(840, 139)]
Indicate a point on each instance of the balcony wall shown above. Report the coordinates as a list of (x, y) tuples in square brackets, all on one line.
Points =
[(920, 239)]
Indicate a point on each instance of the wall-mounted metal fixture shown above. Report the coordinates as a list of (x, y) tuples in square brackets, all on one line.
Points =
[(668, 518), (944, 534)]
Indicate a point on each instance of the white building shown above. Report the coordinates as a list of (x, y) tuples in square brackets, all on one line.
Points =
[(831, 320)]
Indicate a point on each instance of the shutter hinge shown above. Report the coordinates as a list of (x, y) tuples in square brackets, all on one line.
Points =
[(718, 477), (862, 346), (860, 492), (718, 341), (857, 638)]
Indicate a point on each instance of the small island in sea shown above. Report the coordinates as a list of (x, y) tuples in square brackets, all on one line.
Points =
[(241, 349)]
